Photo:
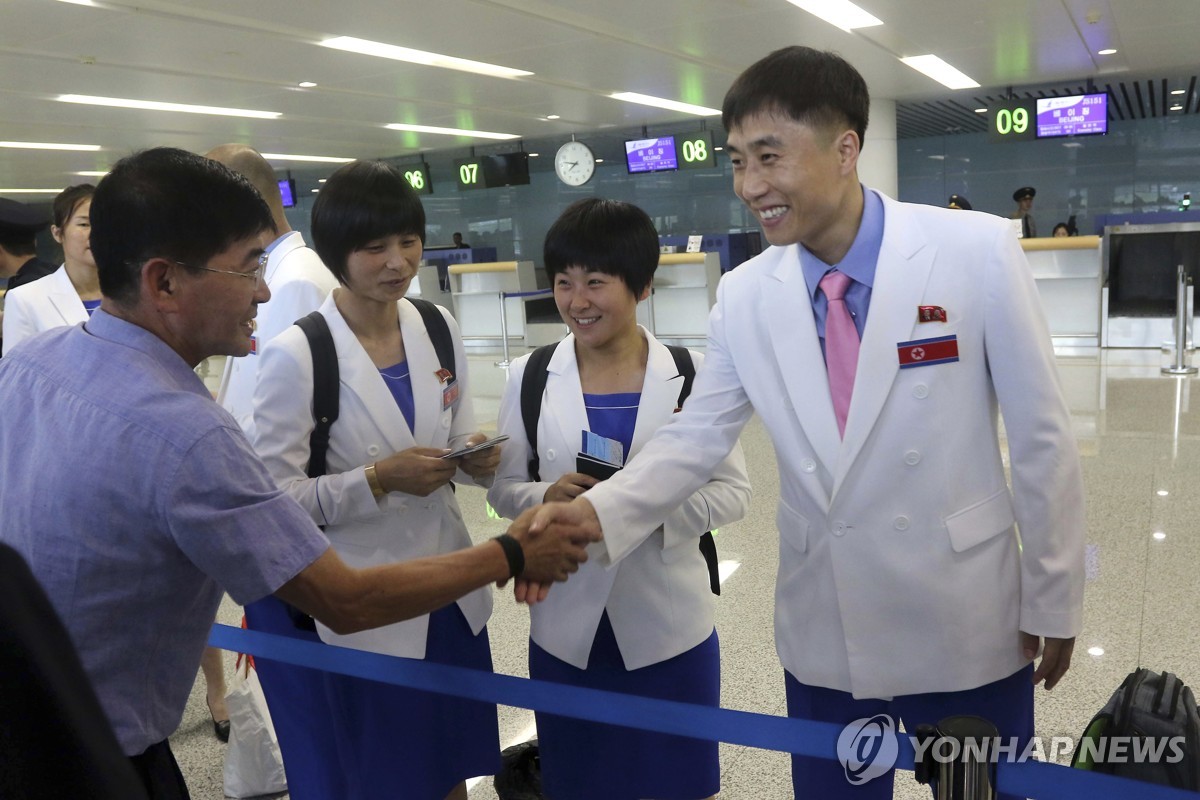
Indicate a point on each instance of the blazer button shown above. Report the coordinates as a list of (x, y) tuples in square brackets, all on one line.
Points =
[(445, 422), (550, 454), (839, 529), (920, 391), (900, 523), (808, 465), (912, 458), (373, 450)]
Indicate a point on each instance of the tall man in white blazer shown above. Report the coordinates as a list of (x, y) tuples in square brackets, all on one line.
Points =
[(903, 588), (298, 281)]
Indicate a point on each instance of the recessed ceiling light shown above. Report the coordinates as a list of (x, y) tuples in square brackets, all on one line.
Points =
[(84, 148), (1162, 493), (315, 190), (1108, 51), (91, 173), (937, 157), (306, 84), (322, 180), (79, 2), (398, 126), (670, 105), (599, 160), (981, 111), (382, 50), (1179, 91), (718, 149), (294, 157), (534, 155), (1159, 536), (29, 191), (840, 13), (552, 116), (940, 71), (1177, 107), (155, 105)]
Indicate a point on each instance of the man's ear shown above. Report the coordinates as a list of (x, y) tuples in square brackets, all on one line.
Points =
[(159, 282), (849, 147)]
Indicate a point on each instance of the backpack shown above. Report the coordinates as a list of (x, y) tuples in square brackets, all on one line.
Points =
[(534, 385), (326, 380), (1149, 714)]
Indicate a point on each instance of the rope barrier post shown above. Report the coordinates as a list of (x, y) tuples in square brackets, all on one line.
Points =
[(958, 758), (1180, 366), (503, 330)]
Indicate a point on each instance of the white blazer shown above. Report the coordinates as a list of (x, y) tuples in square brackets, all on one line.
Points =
[(364, 531), (899, 568), (49, 302), (657, 593), (299, 283)]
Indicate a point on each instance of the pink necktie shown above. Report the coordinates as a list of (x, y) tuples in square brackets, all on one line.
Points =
[(841, 345)]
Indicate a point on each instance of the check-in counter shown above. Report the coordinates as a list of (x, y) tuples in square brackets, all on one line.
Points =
[(477, 292), (1068, 273), (685, 289)]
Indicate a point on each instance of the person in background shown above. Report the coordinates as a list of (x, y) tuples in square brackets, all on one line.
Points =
[(640, 622), (1061, 230), (458, 240), (137, 500), (1023, 197), (298, 281), (878, 342), (388, 492), (19, 226), (70, 294), (959, 202)]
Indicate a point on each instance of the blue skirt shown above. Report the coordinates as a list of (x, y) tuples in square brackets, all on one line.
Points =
[(593, 761), (402, 743)]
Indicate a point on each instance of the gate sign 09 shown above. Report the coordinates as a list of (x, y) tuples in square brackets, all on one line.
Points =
[(695, 150), (1012, 120)]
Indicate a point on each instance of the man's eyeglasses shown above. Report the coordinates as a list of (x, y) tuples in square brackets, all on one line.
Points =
[(257, 274)]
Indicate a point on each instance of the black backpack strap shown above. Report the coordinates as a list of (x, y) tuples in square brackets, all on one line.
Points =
[(439, 332), (533, 384), (708, 545), (325, 412), (325, 388)]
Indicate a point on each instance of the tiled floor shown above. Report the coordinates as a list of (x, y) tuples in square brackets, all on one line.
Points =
[(1140, 442)]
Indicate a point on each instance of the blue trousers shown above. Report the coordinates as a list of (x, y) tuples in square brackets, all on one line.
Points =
[(1006, 703)]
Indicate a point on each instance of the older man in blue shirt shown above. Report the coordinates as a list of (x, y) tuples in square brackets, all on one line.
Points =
[(136, 499)]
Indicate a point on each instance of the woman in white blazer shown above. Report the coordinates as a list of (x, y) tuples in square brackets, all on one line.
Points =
[(387, 493), (643, 625), (68, 295)]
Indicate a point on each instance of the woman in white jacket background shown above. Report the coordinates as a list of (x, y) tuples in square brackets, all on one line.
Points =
[(640, 622), (387, 494), (68, 295)]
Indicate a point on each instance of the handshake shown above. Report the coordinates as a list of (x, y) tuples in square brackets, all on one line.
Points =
[(553, 539)]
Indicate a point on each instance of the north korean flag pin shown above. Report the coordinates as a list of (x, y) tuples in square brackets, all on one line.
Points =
[(931, 314)]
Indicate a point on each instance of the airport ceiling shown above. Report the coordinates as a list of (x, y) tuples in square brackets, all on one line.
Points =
[(253, 54)]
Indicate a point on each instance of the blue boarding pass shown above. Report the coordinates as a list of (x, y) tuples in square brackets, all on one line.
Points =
[(603, 448)]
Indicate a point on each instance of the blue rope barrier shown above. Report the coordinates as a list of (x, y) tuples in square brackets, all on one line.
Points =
[(764, 731)]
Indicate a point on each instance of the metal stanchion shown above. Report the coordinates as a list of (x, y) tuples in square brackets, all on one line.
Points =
[(503, 331), (1180, 366), (959, 758)]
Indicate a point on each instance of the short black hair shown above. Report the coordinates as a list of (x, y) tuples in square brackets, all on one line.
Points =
[(813, 87), (68, 200), (172, 204), (18, 241), (361, 202), (608, 236)]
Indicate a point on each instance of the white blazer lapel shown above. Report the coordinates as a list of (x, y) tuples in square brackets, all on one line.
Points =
[(905, 261), (793, 336), (422, 367), (563, 406), (360, 378), (660, 391), (65, 299)]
